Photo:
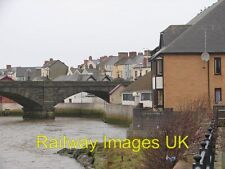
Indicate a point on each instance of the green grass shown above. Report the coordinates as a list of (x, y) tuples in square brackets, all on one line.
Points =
[(116, 158), (79, 113), (117, 120), (13, 113), (84, 113)]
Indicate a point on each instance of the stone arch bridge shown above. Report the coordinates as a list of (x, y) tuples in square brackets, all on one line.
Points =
[(42, 96)]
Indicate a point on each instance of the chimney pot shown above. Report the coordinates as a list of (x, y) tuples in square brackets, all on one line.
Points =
[(8, 67)]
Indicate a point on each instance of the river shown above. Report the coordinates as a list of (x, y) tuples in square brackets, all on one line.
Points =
[(18, 141)]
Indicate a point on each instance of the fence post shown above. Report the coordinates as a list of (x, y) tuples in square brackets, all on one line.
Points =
[(197, 164)]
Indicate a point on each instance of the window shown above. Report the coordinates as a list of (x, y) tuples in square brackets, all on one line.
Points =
[(217, 66), (218, 95), (91, 66), (159, 67), (70, 100), (128, 97), (146, 96), (160, 97)]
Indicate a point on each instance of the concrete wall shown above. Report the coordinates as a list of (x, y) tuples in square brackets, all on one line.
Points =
[(90, 106), (111, 110), (119, 111)]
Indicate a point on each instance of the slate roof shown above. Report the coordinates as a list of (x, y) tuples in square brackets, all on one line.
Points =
[(202, 14), (8, 71), (131, 60), (23, 71), (171, 33), (192, 40), (49, 63), (112, 60), (141, 84), (75, 69)]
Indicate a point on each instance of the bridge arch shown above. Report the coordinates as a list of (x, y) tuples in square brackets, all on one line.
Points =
[(27, 103), (100, 94)]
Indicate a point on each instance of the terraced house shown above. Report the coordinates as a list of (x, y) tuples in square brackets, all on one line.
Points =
[(190, 61)]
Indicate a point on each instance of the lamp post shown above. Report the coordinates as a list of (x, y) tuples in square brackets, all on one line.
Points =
[(206, 57)]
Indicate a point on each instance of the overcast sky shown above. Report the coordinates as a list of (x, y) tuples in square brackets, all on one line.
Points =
[(32, 31)]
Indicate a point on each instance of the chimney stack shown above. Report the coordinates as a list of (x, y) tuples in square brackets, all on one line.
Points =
[(85, 62), (132, 54), (8, 67), (147, 53), (145, 62), (123, 55), (103, 58)]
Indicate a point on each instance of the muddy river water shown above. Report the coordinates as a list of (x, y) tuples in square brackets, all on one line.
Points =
[(18, 141)]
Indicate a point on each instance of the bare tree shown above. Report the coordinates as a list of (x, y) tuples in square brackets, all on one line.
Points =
[(185, 122)]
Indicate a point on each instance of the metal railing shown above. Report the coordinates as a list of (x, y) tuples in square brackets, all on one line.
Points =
[(206, 156)]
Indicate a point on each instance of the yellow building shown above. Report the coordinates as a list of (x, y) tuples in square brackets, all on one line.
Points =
[(124, 68), (181, 72)]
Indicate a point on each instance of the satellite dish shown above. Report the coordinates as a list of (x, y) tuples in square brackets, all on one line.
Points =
[(205, 56)]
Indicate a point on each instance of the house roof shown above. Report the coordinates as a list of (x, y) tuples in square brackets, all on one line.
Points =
[(112, 60), (212, 23), (10, 71), (141, 84), (23, 71), (51, 62), (122, 61), (5, 78), (115, 88), (172, 32), (131, 60), (202, 14)]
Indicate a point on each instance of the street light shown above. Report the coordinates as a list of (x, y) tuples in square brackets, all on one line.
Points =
[(206, 57)]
